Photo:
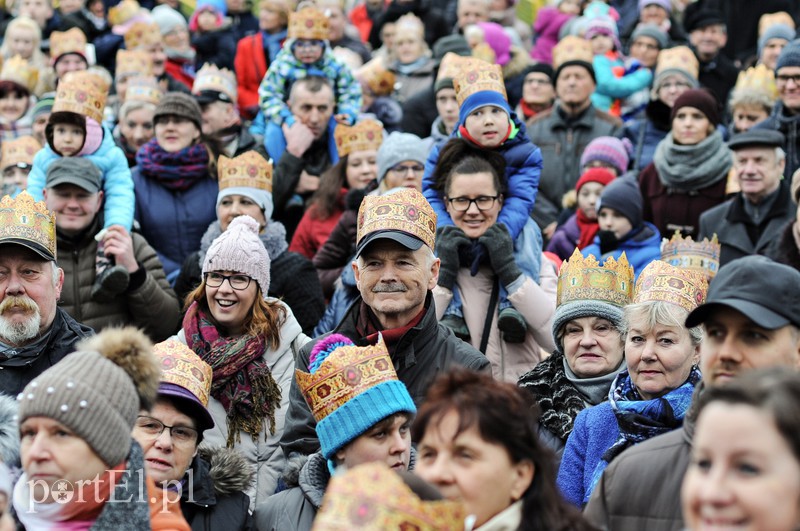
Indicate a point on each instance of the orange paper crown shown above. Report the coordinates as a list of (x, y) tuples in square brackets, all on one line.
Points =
[(144, 89), (572, 48), (142, 35), (80, 98), (583, 279), (451, 65), (134, 63), (406, 211), (477, 76), (758, 78), (248, 169), (123, 12), (20, 72), (210, 77), (365, 135), (678, 58), (89, 78), (377, 77), (660, 281), (771, 19), (182, 367), (308, 23), (686, 253), (25, 220), (19, 151), (63, 42)]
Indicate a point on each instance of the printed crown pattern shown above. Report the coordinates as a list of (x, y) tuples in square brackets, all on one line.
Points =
[(142, 35), (210, 77), (365, 135), (476, 75), (771, 19), (248, 169), (25, 219), (63, 42), (451, 65), (701, 256), (182, 367), (572, 48), (144, 89), (758, 78), (379, 79), (660, 281), (123, 12), (308, 23), (19, 151), (80, 98), (585, 279), (21, 72), (89, 78), (133, 63), (678, 58), (406, 211)]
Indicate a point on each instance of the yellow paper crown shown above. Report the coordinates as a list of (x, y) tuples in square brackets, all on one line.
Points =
[(24, 220), (377, 77), (476, 75), (248, 169), (133, 63), (89, 78), (142, 35), (372, 496), (660, 281), (80, 98), (688, 254), (771, 19), (406, 211), (182, 367), (63, 42), (410, 24), (758, 78), (451, 65), (144, 89), (572, 48), (123, 12), (19, 151), (365, 135), (210, 77), (308, 23), (678, 58), (20, 72), (484, 52), (583, 279)]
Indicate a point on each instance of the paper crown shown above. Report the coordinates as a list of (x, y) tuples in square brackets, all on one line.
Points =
[(89, 78), (476, 75), (133, 63), (771, 19), (123, 12), (451, 65), (365, 135), (582, 279), (210, 77), (63, 42), (372, 496), (80, 98), (660, 281), (181, 366), (248, 169), (758, 78), (25, 221), (142, 35), (688, 254), (19, 151), (145, 89), (20, 72), (379, 79), (678, 58), (406, 211), (410, 24), (484, 52), (308, 23), (572, 48)]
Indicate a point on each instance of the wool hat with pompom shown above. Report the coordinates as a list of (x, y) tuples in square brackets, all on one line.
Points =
[(239, 249), (98, 391), (608, 149)]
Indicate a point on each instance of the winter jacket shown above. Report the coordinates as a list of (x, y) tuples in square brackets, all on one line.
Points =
[(243, 24), (612, 82), (438, 133), (148, 303), (423, 352), (565, 239), (217, 47), (344, 295), (786, 251), (118, 196), (419, 112), (562, 142), (719, 76), (20, 365), (549, 21), (786, 123), (645, 133), (640, 246), (407, 85), (312, 232), (251, 65), (514, 73)]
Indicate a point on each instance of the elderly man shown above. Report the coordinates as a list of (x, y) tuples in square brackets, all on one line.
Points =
[(395, 271), (471, 12), (753, 220), (73, 192), (752, 320), (708, 34), (34, 333)]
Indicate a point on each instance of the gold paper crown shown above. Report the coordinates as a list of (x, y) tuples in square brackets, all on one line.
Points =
[(346, 373), (372, 496), (308, 23), (80, 98), (123, 12), (660, 281), (181, 366), (144, 89), (688, 254), (62, 42), (406, 211), (89, 78), (142, 35), (410, 24), (377, 77), (210, 77), (478, 76), (770, 19), (19, 151), (248, 169), (484, 52), (758, 78), (583, 279), (678, 58), (20, 72), (451, 65), (572, 48), (132, 63), (365, 135), (24, 220)]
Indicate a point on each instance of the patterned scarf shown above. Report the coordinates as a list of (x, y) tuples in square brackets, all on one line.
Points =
[(177, 171), (241, 380)]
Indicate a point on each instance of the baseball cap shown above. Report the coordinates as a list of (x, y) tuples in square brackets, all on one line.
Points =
[(74, 170)]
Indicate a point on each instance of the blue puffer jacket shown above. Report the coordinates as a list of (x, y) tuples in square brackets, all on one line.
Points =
[(342, 299), (641, 248), (117, 181), (523, 169)]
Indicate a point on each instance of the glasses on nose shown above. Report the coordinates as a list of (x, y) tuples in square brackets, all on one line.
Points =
[(783, 79), (462, 204), (308, 44), (401, 170), (536, 81), (237, 282), (153, 428)]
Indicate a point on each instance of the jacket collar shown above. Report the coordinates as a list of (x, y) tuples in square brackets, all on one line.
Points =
[(585, 120), (738, 214)]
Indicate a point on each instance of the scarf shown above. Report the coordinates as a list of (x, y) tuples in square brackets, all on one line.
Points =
[(788, 126), (241, 380), (588, 227), (272, 43), (177, 171), (406, 69), (689, 168), (368, 327), (527, 110)]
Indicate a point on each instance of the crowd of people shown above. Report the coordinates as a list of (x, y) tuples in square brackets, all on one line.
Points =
[(400, 264)]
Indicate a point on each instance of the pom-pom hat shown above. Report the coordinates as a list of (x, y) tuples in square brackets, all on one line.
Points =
[(240, 249)]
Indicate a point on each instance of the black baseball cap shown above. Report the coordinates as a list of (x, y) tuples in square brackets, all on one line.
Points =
[(204, 97), (405, 239)]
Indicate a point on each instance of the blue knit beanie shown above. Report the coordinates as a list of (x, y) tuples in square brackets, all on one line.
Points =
[(480, 99), (776, 31), (790, 56), (624, 196)]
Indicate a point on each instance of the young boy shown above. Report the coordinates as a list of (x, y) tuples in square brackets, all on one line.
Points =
[(15, 164)]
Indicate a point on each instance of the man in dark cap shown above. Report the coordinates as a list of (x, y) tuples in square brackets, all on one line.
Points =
[(538, 91), (708, 34)]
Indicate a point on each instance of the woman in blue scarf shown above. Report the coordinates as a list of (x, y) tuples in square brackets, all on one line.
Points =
[(652, 395)]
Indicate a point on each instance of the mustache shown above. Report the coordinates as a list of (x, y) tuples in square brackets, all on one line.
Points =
[(25, 303), (390, 287)]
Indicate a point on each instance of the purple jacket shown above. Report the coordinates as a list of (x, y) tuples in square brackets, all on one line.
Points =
[(548, 24), (565, 239)]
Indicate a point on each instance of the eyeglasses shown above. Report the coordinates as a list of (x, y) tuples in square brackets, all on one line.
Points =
[(308, 44), (237, 282), (153, 428), (785, 78), (537, 81), (462, 204), (401, 170)]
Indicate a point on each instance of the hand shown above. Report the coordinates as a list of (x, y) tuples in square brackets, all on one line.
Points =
[(298, 138), (549, 230), (449, 240), (500, 246), (342, 118), (307, 183), (118, 244)]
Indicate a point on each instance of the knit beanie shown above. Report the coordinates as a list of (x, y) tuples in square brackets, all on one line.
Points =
[(585, 308), (603, 26), (398, 147), (666, 5), (610, 150), (623, 195), (498, 40), (702, 100), (179, 104), (540, 68), (450, 43), (63, 117), (595, 175), (260, 197), (239, 249), (790, 56), (652, 31), (98, 391), (43, 106), (167, 19), (777, 31)]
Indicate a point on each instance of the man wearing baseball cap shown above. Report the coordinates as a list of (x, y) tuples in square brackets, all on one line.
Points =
[(751, 320)]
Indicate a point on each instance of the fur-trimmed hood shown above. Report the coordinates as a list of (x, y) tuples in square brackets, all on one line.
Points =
[(9, 433), (227, 468)]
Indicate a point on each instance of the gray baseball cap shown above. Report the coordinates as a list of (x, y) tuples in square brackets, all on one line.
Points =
[(75, 170)]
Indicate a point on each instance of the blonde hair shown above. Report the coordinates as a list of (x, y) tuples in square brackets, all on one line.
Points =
[(23, 23)]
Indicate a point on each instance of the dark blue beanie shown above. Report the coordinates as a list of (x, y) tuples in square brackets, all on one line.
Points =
[(623, 195), (790, 56)]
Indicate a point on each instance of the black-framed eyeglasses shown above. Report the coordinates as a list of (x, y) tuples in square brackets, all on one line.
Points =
[(462, 204), (401, 169), (237, 282), (785, 78), (153, 428)]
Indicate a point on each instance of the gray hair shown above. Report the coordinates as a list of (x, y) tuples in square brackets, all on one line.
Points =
[(133, 105), (654, 313)]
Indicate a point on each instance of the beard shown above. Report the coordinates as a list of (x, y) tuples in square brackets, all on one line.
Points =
[(14, 332)]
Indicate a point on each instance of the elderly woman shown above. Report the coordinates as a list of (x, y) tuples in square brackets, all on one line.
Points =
[(134, 128), (652, 395), (478, 444), (250, 340), (413, 66)]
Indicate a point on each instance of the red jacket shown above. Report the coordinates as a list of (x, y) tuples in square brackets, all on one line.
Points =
[(362, 22), (312, 232), (251, 66)]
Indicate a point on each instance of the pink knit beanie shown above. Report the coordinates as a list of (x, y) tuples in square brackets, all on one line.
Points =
[(239, 249)]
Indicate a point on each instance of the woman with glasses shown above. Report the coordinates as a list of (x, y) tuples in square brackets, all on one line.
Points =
[(248, 338)]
